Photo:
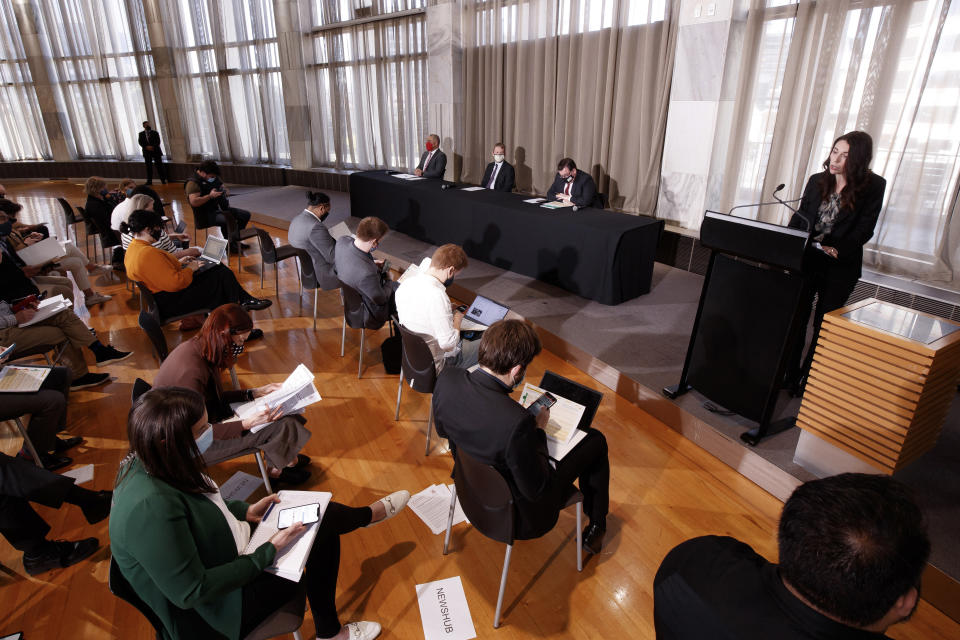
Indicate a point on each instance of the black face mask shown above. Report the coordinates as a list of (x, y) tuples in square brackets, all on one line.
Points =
[(6, 228), (155, 234), (236, 349), (448, 281)]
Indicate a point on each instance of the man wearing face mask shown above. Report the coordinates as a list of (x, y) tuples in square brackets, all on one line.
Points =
[(149, 141), (474, 411), (572, 185), (433, 162), (208, 197), (357, 268), (499, 174), (308, 232), (424, 307)]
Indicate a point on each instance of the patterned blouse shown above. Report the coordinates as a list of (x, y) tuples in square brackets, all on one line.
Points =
[(826, 217)]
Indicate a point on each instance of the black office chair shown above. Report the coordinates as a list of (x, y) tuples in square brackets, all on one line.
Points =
[(89, 230), (70, 219), (487, 502), (121, 587), (309, 281), (600, 201), (152, 322), (418, 370), (272, 254), (356, 316), (140, 387)]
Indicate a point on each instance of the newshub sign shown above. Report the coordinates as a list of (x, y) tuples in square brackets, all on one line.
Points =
[(444, 611)]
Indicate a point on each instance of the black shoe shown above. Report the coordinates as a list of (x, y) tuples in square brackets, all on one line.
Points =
[(66, 443), (50, 461), (98, 506), (256, 334), (148, 183), (256, 304), (593, 538), (109, 355), (90, 380), (59, 554), (293, 476), (302, 461)]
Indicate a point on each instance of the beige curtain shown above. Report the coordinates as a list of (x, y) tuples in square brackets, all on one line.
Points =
[(588, 79), (813, 70)]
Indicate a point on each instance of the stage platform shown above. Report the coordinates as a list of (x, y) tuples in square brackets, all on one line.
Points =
[(637, 348)]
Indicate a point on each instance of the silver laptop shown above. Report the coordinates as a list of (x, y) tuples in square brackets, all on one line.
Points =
[(482, 313), (214, 251)]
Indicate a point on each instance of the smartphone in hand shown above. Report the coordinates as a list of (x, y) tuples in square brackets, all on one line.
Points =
[(307, 514), (547, 400)]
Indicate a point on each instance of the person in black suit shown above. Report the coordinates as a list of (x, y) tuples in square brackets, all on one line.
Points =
[(499, 174), (474, 411), (149, 141), (572, 185), (840, 208), (433, 162)]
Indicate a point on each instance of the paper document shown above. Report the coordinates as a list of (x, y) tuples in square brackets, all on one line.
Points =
[(80, 474), (557, 450), (557, 205), (47, 250), (404, 176), (239, 486), (290, 561), (535, 200), (296, 393), (564, 415), (47, 309), (432, 506), (444, 612), (414, 269), (339, 230), (473, 189), (22, 379)]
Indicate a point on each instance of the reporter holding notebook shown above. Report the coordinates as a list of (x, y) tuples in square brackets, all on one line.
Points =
[(180, 544)]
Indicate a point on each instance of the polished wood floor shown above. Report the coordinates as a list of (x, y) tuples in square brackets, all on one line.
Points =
[(664, 489)]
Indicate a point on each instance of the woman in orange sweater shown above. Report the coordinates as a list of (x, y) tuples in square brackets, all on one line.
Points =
[(175, 284)]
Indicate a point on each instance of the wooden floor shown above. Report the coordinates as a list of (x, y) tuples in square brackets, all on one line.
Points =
[(664, 489)]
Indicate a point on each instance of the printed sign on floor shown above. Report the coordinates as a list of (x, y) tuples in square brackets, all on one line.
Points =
[(444, 611)]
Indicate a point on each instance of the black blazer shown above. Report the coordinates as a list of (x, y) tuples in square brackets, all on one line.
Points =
[(150, 139), (437, 165), (505, 179), (475, 412), (853, 227), (583, 192)]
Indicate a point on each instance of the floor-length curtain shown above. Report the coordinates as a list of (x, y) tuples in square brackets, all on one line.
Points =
[(227, 68), (885, 68), (22, 135), (588, 79)]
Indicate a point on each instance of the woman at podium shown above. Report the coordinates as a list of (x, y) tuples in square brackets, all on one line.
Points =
[(840, 207)]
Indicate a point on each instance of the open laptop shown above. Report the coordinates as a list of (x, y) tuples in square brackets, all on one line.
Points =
[(481, 314), (214, 251)]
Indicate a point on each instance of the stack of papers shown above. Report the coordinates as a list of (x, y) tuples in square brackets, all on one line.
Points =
[(14, 379), (47, 250), (557, 205), (473, 189), (296, 393), (535, 200), (406, 176), (48, 308), (290, 561), (561, 429), (432, 505)]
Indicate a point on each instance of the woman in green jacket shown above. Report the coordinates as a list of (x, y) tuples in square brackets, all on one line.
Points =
[(178, 542)]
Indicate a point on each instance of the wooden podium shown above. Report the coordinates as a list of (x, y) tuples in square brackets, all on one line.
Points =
[(882, 381)]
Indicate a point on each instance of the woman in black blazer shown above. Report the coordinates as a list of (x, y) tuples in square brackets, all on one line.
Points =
[(840, 207)]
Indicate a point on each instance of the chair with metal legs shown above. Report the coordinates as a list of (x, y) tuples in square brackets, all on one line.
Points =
[(272, 254), (356, 316), (418, 370), (487, 502)]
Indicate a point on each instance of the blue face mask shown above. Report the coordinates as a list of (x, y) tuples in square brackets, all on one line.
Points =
[(103, 192), (6, 228), (210, 179), (129, 192), (205, 440)]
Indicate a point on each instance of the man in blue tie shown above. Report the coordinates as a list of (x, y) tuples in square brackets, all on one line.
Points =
[(499, 174)]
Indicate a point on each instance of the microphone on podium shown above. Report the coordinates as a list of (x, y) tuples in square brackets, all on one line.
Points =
[(787, 205)]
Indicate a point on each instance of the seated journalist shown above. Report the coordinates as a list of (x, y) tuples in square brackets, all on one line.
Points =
[(573, 185), (308, 232), (198, 364), (852, 550), (180, 544), (358, 269), (474, 411)]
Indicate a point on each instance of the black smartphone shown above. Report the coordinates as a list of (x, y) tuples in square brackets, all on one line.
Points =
[(307, 514), (547, 400)]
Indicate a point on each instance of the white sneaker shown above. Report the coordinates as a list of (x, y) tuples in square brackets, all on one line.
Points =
[(392, 505), (363, 630), (97, 298)]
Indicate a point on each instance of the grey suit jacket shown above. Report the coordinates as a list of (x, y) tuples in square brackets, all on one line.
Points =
[(308, 233), (358, 270), (437, 166)]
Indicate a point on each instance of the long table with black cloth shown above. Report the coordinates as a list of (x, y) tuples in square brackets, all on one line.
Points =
[(594, 253)]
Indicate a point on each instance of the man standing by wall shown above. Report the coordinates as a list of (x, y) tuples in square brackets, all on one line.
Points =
[(149, 141)]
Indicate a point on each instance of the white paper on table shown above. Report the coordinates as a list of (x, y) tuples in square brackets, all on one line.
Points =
[(535, 200), (80, 474), (404, 176), (444, 612), (564, 414), (473, 189), (239, 486)]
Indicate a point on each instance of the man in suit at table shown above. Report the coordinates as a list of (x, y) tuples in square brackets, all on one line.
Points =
[(433, 162), (572, 185), (474, 411), (149, 141), (499, 175)]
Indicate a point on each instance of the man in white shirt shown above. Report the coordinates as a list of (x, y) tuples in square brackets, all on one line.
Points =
[(424, 308)]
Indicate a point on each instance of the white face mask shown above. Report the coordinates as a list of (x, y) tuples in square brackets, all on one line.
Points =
[(498, 157)]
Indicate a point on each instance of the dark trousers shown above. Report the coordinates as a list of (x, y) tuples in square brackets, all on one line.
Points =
[(47, 408), (22, 482), (238, 217), (589, 465), (268, 592), (208, 290), (150, 159), (832, 288)]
